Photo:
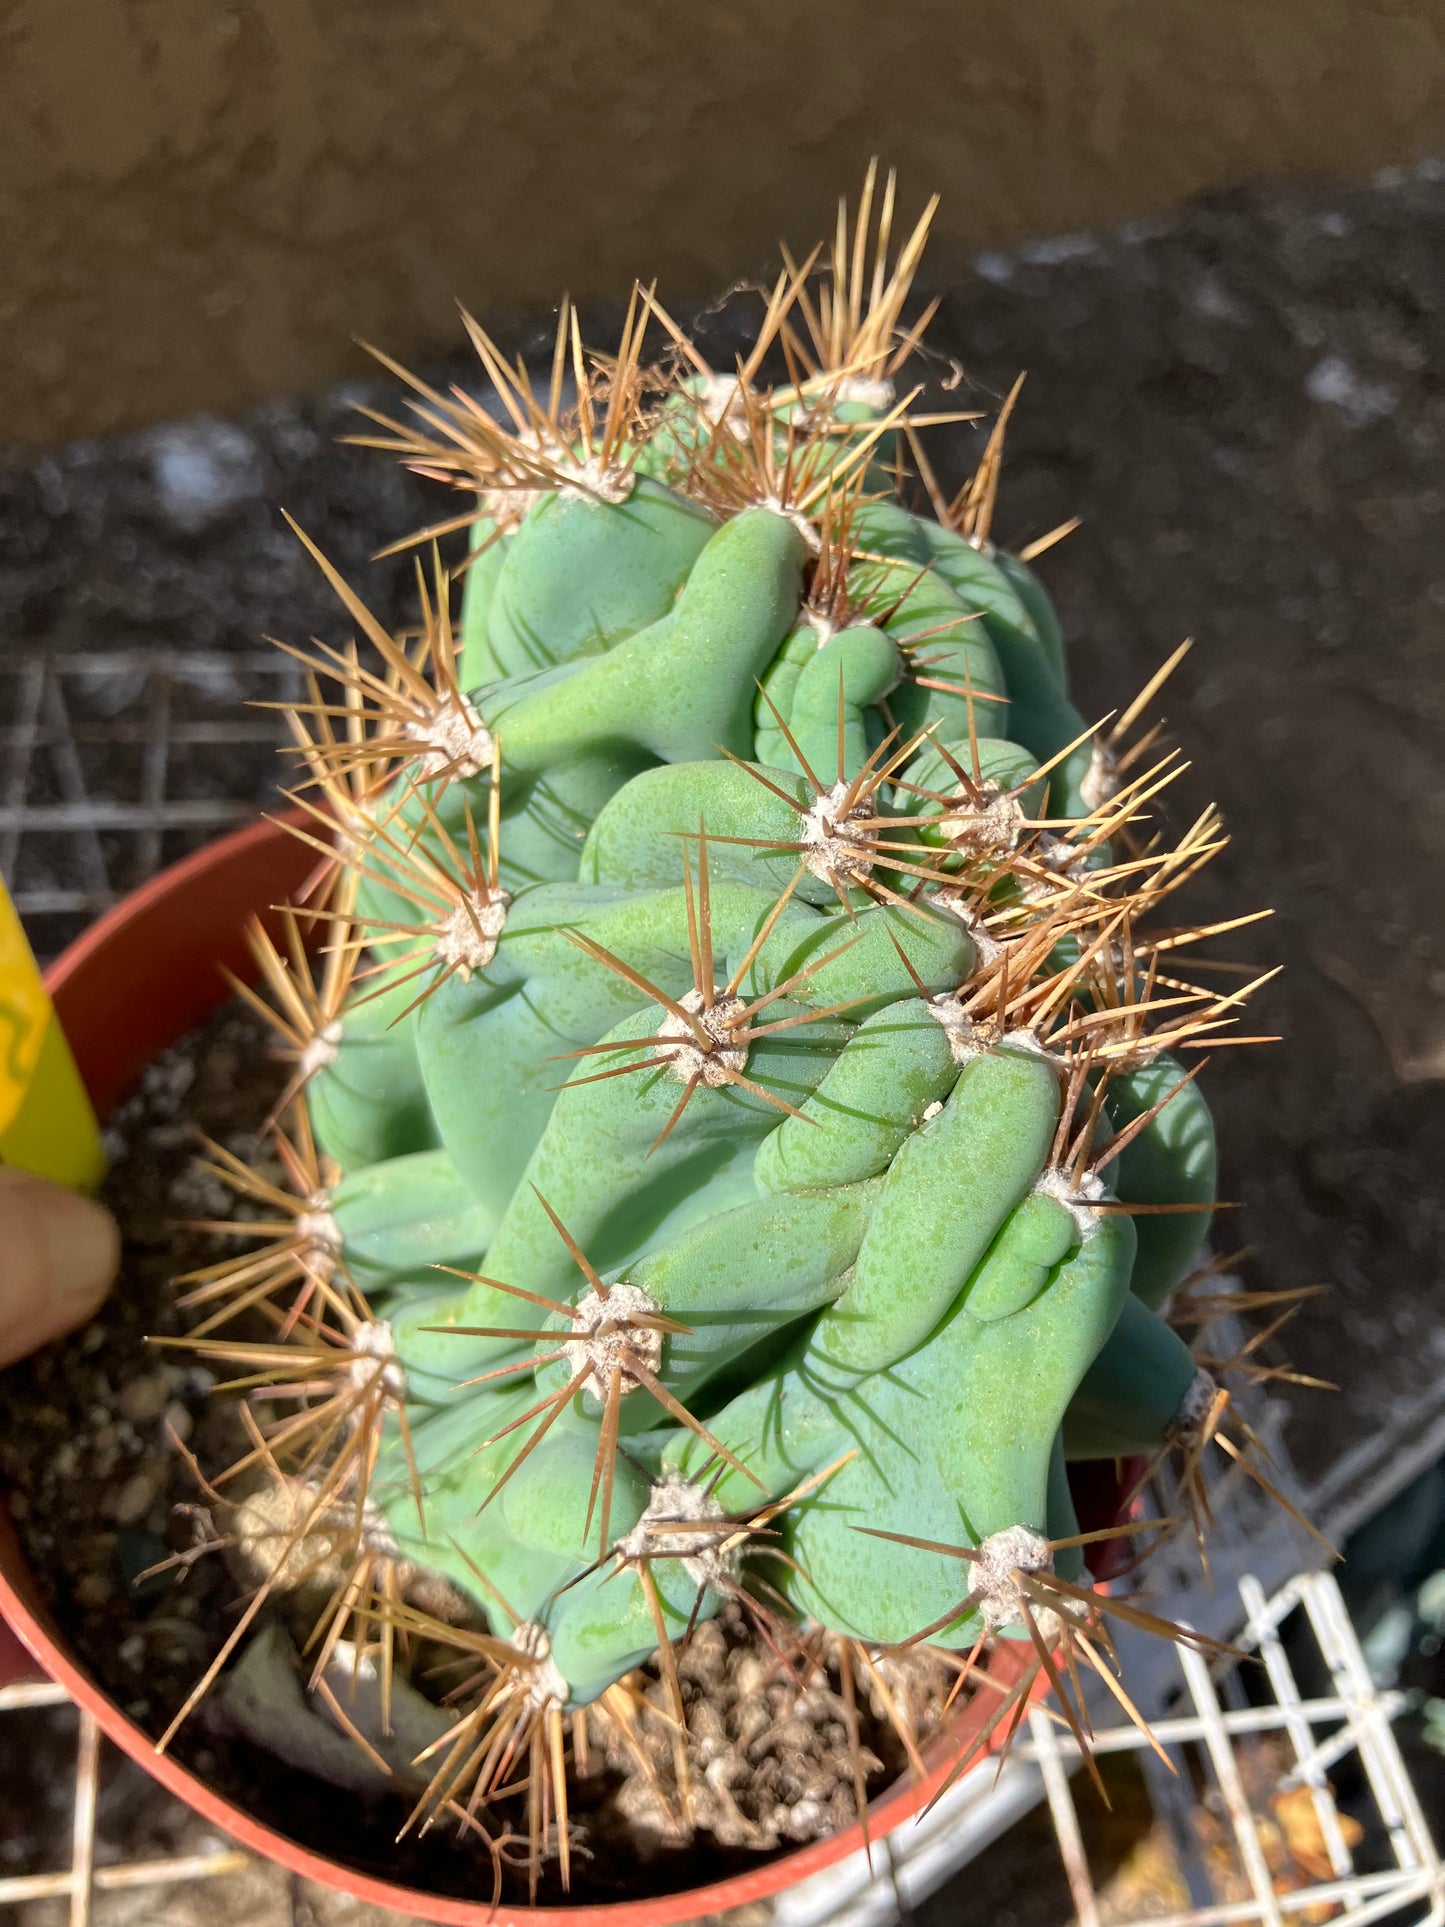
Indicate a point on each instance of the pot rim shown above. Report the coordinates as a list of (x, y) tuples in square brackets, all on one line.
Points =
[(192, 914)]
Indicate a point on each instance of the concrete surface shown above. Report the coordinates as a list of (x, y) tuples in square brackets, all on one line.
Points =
[(199, 205)]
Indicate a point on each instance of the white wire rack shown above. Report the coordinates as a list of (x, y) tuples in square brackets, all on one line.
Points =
[(1214, 1735), (116, 761), (83, 1880)]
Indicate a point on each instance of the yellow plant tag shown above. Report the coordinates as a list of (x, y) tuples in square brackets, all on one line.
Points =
[(46, 1123)]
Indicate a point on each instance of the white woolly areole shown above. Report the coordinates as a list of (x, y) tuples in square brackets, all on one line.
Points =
[(967, 1040), (993, 1576), (992, 827), (377, 1361), (957, 903), (357, 817), (1057, 856), (585, 479), (933, 1110), (509, 506), (546, 1687), (1078, 1197), (606, 1337), (376, 1530), (687, 1059), (821, 626), (1100, 780), (721, 403), (282, 1535), (677, 1501), (1004, 1559), (873, 391), (1142, 1052), (593, 480), (320, 1050), (456, 740), (1187, 1427), (835, 846), (466, 938), (962, 1033), (319, 1238)]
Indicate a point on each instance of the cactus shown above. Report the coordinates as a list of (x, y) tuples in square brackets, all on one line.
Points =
[(740, 1112)]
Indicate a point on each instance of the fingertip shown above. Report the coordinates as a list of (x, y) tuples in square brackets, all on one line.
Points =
[(59, 1252), (82, 1244)]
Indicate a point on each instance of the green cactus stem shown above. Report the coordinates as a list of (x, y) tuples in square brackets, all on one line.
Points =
[(740, 1112)]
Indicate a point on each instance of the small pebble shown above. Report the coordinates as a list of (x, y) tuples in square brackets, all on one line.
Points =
[(221, 1067), (177, 1419), (750, 1676), (145, 1398), (128, 1503), (94, 1590), (132, 1651)]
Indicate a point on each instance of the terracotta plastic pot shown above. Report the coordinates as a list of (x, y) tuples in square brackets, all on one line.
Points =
[(126, 989)]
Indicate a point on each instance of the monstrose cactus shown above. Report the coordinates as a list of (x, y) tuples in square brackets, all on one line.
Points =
[(743, 1133)]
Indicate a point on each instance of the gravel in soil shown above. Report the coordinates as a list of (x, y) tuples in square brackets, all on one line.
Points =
[(102, 1497)]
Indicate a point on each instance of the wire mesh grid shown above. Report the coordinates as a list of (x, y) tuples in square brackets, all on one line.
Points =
[(118, 761), (81, 1881), (1324, 1732), (1245, 1781)]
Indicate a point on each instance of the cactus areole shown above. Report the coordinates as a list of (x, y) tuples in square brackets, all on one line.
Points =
[(743, 1114)]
